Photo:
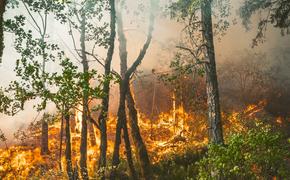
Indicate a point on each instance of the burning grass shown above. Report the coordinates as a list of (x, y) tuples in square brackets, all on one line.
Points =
[(174, 132)]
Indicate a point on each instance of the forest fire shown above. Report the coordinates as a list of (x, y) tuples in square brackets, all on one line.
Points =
[(175, 132), (132, 89)]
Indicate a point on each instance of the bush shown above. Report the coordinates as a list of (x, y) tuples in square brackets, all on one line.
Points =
[(258, 154), (179, 165)]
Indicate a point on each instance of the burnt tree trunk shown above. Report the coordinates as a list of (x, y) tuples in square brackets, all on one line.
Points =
[(84, 133), (92, 134), (140, 146), (73, 122), (128, 149), (214, 114), (141, 150), (44, 137), (60, 143), (106, 89), (69, 168), (123, 65), (2, 10), (120, 121)]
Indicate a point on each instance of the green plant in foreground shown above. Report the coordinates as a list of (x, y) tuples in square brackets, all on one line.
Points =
[(260, 153)]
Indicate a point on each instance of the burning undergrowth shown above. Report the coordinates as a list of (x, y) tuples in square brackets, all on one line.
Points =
[(171, 132)]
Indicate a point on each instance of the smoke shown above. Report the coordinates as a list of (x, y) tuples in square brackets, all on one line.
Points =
[(161, 51)]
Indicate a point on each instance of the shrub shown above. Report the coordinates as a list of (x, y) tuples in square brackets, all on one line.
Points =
[(258, 154), (180, 165)]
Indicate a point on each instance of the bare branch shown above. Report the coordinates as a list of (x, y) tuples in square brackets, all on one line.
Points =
[(27, 9), (193, 54), (73, 39), (145, 47)]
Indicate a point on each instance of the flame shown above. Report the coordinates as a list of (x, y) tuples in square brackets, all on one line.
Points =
[(279, 120), (170, 132)]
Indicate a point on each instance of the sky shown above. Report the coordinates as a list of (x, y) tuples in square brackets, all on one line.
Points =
[(165, 37)]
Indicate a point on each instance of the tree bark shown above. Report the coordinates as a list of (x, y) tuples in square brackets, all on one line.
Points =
[(123, 90), (123, 65), (214, 114), (2, 10), (141, 150), (73, 122), (120, 122), (44, 137), (69, 168), (142, 154), (84, 133), (128, 149), (102, 120), (92, 134), (60, 144)]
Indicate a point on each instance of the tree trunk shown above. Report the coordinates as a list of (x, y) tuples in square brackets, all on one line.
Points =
[(44, 137), (84, 133), (60, 144), (92, 134), (141, 150), (69, 168), (120, 121), (142, 154), (214, 114), (2, 10), (129, 150), (106, 89), (73, 122), (123, 65)]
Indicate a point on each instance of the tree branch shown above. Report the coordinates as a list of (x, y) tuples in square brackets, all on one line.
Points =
[(145, 46), (193, 54)]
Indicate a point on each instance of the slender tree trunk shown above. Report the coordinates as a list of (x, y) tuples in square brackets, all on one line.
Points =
[(140, 146), (120, 121), (129, 150), (2, 10), (44, 137), (69, 168), (141, 150), (123, 65), (73, 123), (214, 114), (84, 133), (106, 89), (92, 134), (60, 144)]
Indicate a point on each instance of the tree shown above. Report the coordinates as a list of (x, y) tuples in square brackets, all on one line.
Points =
[(106, 89), (276, 13), (214, 112), (70, 84), (33, 73), (81, 18), (199, 43), (123, 69), (2, 10), (124, 88)]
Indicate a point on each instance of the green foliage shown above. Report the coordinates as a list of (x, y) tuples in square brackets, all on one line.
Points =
[(258, 154), (190, 58), (30, 67), (179, 165), (276, 13), (71, 86), (188, 11), (85, 15), (41, 7), (183, 8)]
